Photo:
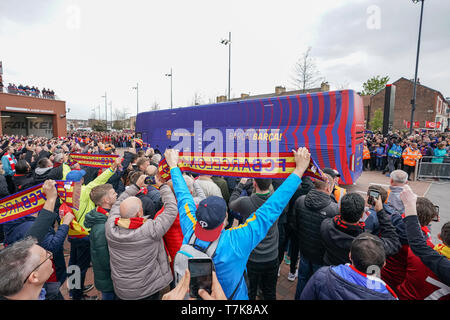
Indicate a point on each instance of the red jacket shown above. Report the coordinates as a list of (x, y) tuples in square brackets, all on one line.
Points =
[(420, 282), (173, 239)]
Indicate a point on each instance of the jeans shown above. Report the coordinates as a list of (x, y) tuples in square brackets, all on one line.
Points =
[(80, 255), (305, 271), (393, 163), (109, 296), (265, 276), (379, 163)]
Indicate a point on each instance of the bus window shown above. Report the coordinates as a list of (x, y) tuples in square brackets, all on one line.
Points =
[(138, 135)]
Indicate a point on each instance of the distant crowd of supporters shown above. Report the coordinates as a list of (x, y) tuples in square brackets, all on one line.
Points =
[(30, 91)]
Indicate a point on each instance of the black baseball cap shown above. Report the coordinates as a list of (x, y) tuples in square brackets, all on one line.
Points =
[(332, 172)]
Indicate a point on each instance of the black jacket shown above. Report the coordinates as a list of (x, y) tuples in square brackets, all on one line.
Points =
[(302, 190), (338, 240), (22, 181), (310, 211), (4, 192), (42, 174), (438, 263)]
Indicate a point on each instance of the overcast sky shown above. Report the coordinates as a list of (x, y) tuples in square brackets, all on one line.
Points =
[(82, 49)]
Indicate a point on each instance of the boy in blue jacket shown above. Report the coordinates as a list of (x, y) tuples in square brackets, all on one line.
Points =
[(235, 244)]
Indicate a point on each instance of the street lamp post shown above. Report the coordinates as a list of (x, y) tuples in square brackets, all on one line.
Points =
[(228, 43), (110, 109), (171, 96), (137, 98), (413, 101), (106, 111)]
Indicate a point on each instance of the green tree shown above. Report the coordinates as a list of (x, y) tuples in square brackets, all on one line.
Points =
[(374, 84), (377, 121)]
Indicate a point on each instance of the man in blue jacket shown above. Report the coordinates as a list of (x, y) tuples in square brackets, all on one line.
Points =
[(357, 280), (235, 244)]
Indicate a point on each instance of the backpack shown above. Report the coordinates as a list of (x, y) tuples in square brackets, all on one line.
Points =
[(191, 250)]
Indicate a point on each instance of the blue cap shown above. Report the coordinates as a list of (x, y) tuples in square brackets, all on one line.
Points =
[(210, 214), (75, 175)]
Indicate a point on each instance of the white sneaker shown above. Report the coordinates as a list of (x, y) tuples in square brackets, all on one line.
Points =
[(292, 276)]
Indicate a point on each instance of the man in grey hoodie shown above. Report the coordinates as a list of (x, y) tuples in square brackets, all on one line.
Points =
[(262, 265)]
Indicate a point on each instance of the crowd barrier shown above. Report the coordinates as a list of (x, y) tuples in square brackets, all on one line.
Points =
[(427, 169)]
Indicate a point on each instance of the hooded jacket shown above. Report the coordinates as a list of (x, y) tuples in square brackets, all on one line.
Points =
[(139, 263), (267, 249), (42, 174), (344, 282), (337, 238), (311, 210), (96, 220)]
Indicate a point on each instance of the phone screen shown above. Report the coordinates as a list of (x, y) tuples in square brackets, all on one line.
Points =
[(201, 276)]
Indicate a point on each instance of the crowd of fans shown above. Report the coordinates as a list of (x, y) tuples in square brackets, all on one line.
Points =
[(30, 91), (399, 150), (339, 245)]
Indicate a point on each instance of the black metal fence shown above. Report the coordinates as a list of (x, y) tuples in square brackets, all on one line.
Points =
[(428, 169)]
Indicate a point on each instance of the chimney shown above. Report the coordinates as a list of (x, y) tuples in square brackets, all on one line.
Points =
[(221, 99), (324, 86), (279, 90)]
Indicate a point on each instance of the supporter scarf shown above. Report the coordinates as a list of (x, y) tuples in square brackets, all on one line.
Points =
[(351, 229), (11, 162), (103, 211), (443, 249), (248, 165), (93, 160), (131, 223), (143, 190), (32, 200)]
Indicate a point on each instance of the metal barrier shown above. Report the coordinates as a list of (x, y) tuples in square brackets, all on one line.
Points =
[(428, 169)]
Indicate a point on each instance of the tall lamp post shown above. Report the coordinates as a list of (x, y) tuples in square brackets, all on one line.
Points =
[(137, 98), (171, 96), (413, 101), (106, 111), (227, 42)]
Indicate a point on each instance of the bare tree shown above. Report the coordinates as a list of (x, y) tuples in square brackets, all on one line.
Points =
[(197, 99), (155, 106), (305, 74)]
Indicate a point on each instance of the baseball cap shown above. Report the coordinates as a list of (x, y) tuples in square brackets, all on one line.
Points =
[(210, 214), (75, 175), (331, 172)]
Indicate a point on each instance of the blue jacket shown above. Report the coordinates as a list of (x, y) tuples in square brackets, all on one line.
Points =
[(7, 165), (235, 244), (52, 241), (343, 283)]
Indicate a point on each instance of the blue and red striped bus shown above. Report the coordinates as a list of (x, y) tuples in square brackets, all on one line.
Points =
[(330, 124)]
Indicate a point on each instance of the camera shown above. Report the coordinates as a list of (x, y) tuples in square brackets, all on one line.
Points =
[(373, 196)]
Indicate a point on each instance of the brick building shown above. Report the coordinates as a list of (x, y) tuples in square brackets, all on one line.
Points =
[(431, 105), (25, 115)]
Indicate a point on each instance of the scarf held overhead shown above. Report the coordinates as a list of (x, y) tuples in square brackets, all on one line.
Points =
[(93, 160), (248, 165), (32, 200)]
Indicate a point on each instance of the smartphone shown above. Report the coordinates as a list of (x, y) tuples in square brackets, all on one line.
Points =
[(201, 275), (373, 196)]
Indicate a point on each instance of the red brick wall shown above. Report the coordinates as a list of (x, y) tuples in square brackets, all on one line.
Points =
[(425, 100)]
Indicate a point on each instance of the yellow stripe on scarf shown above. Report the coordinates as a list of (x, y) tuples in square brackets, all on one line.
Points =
[(443, 249)]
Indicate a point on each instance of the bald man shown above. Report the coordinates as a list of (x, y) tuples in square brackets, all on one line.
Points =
[(139, 263)]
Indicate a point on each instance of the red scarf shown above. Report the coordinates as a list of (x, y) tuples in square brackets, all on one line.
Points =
[(143, 190), (11, 162), (131, 223), (102, 211), (351, 229)]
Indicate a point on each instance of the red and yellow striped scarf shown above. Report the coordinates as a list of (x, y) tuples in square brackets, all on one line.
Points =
[(443, 249), (131, 223)]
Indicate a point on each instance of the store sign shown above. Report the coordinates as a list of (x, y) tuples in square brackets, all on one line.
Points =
[(28, 110)]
